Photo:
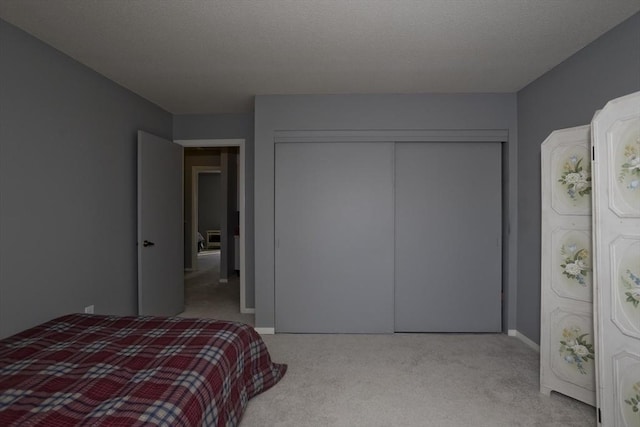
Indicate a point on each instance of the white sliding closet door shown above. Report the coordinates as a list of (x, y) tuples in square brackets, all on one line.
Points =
[(334, 237), (616, 219), (448, 237)]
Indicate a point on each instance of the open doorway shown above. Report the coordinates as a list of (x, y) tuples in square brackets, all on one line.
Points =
[(215, 262)]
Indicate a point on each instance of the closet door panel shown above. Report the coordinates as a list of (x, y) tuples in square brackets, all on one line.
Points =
[(334, 237), (448, 237)]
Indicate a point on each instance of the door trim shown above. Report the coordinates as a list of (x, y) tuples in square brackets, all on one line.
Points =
[(509, 207), (395, 135), (243, 235)]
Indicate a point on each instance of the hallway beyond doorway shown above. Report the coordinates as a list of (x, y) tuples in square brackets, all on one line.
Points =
[(206, 297)]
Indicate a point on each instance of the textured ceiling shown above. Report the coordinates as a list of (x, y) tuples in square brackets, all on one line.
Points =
[(213, 56)]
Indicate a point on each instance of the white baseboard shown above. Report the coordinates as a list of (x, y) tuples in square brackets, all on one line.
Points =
[(265, 331), (224, 281), (524, 339), (245, 310)]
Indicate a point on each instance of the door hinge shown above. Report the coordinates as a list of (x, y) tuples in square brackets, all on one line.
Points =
[(593, 153), (599, 416)]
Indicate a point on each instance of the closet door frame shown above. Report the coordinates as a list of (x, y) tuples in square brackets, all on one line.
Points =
[(426, 136)]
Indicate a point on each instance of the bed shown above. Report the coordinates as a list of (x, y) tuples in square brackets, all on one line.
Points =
[(83, 369)]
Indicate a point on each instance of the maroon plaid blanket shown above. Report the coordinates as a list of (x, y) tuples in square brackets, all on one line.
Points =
[(132, 371)]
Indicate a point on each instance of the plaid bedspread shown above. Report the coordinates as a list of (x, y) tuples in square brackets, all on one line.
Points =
[(95, 370)]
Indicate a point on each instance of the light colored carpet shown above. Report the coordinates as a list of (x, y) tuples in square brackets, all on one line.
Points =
[(409, 380), (412, 380), (206, 297)]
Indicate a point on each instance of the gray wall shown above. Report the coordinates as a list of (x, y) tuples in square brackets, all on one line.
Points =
[(208, 202), (67, 185), (370, 112), (191, 158), (566, 96), (228, 126)]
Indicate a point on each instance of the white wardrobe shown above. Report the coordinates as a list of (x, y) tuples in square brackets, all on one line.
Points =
[(593, 357), (377, 237)]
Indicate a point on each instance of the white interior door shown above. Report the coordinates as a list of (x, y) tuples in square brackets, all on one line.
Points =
[(448, 237), (160, 227), (616, 223)]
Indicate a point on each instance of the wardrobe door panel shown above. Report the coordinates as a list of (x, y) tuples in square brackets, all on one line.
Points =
[(448, 237), (334, 237)]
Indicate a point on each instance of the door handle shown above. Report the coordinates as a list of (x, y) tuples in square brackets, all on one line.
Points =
[(147, 243)]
